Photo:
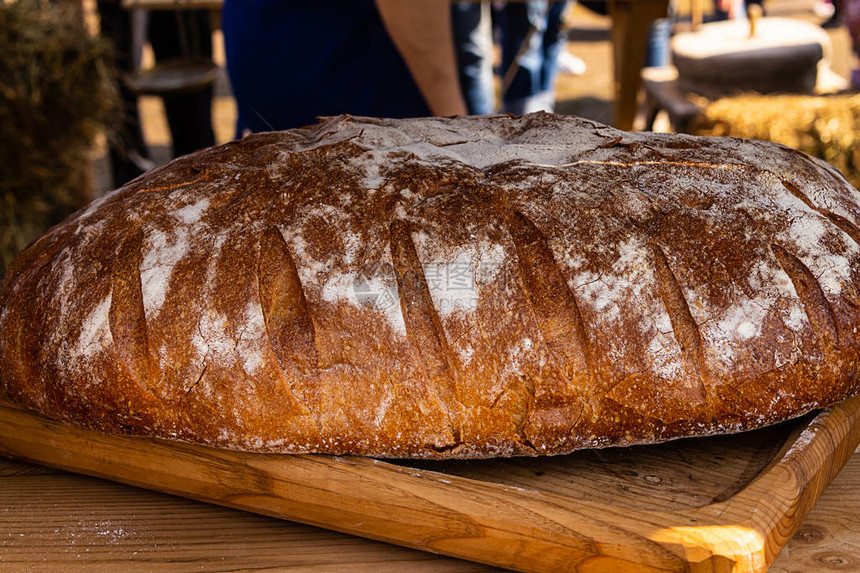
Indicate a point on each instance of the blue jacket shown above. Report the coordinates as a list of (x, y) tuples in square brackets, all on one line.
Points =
[(291, 61)]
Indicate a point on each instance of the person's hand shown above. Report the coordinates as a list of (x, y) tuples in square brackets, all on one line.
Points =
[(421, 31)]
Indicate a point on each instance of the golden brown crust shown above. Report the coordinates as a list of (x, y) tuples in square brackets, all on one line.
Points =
[(464, 287)]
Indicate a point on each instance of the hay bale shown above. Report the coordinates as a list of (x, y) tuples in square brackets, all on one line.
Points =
[(827, 126), (56, 94)]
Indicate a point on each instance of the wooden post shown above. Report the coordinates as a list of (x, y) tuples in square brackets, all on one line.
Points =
[(631, 20)]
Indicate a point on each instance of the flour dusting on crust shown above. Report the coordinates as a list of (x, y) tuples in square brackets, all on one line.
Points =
[(446, 287), (95, 332)]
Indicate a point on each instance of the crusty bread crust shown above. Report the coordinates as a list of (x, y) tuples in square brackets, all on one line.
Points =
[(468, 287)]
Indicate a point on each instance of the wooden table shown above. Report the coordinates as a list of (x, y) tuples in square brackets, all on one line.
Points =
[(631, 20), (56, 521)]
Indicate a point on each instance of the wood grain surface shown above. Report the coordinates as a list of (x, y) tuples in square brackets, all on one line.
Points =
[(730, 506), (829, 538), (52, 520)]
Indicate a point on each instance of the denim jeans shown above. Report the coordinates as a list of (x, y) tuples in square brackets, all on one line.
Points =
[(533, 86), (473, 41)]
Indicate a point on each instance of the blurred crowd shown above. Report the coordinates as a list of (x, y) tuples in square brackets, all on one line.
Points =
[(292, 61)]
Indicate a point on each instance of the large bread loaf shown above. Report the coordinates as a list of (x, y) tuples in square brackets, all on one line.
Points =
[(464, 287)]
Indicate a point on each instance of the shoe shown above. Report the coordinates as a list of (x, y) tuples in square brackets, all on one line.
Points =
[(570, 64)]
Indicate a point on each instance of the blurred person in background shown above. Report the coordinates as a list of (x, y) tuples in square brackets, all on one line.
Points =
[(473, 41), (532, 38), (533, 51), (292, 61)]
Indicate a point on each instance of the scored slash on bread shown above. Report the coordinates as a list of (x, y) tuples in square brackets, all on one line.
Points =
[(463, 287)]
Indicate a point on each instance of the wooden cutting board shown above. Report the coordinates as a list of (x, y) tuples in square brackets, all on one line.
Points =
[(711, 504)]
